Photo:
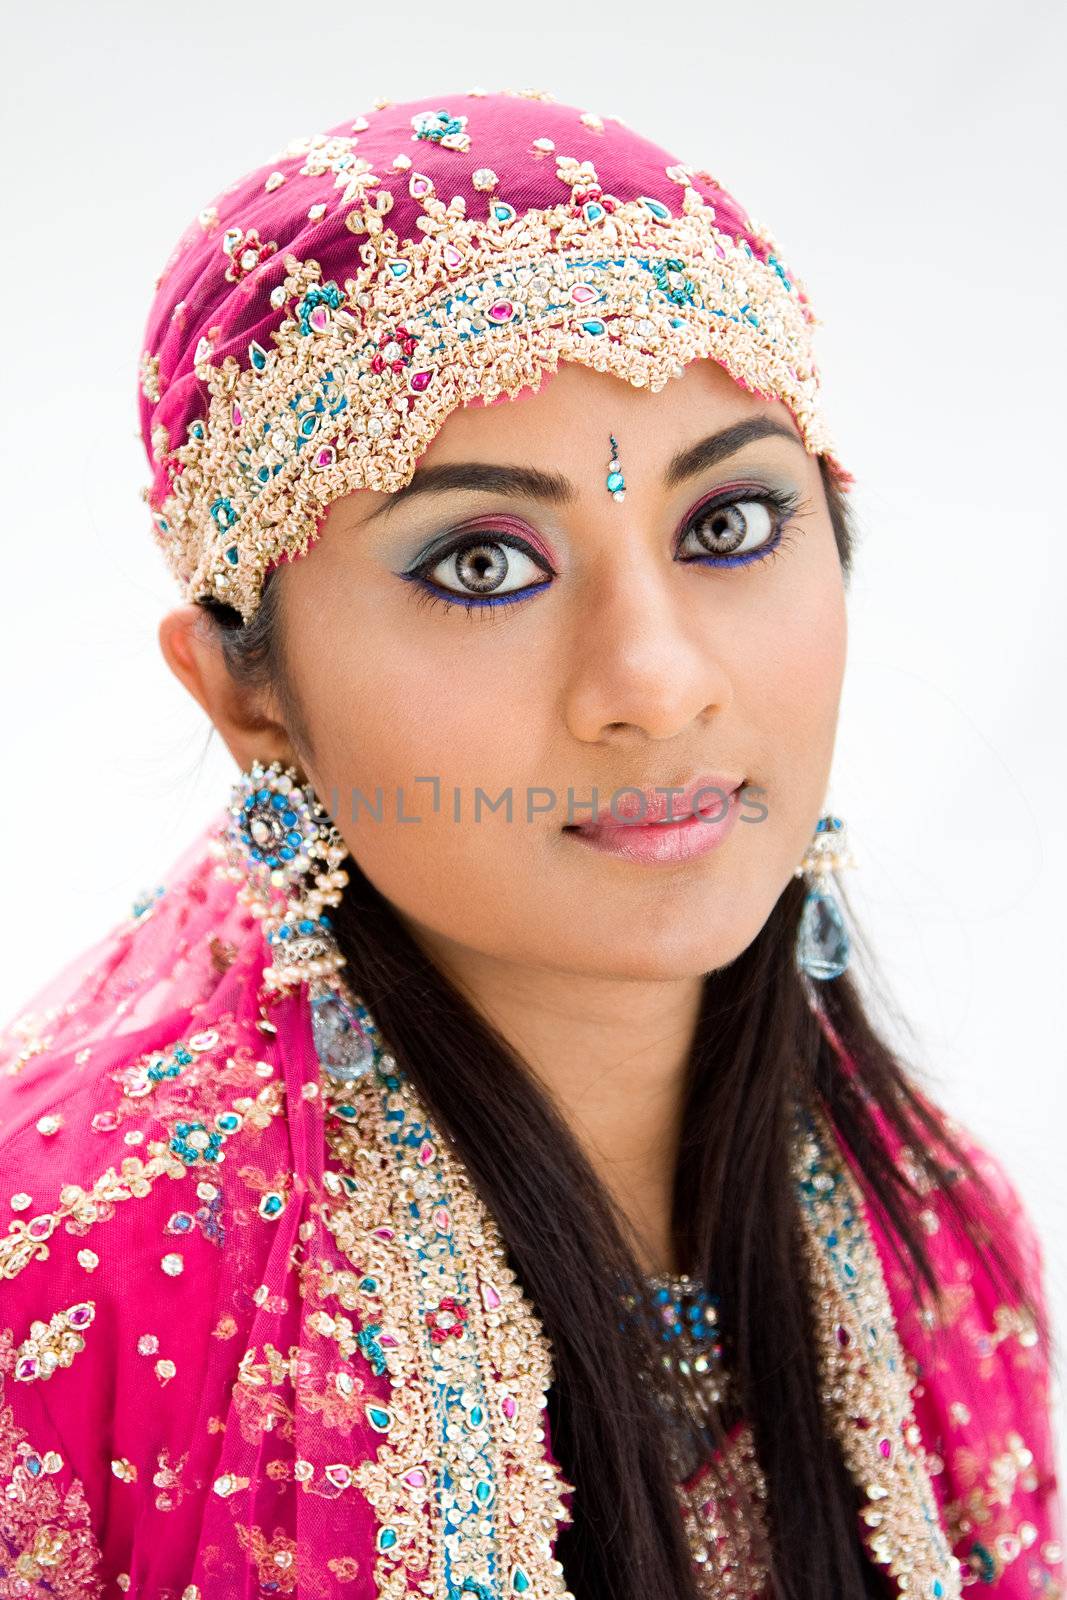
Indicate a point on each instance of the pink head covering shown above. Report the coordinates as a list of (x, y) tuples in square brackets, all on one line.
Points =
[(317, 324)]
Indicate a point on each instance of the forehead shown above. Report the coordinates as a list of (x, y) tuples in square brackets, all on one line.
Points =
[(575, 409)]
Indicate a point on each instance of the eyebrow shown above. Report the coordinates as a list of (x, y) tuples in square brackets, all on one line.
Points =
[(491, 478)]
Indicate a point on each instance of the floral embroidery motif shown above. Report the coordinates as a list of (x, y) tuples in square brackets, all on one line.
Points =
[(487, 307), (246, 252), (865, 1378), (28, 1241), (53, 1344), (47, 1546), (275, 1559), (462, 1493), (442, 128)]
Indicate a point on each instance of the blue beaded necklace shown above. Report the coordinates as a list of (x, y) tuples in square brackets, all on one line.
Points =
[(683, 1317)]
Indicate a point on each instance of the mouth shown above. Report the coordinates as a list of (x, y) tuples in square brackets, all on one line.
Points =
[(664, 828)]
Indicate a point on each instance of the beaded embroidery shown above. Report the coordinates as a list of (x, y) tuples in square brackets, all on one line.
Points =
[(469, 1366), (348, 378), (461, 1485), (866, 1384)]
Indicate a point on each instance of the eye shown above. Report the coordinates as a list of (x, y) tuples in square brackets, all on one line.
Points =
[(740, 528), (480, 569)]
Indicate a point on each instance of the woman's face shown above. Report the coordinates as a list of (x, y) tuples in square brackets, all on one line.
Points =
[(577, 643)]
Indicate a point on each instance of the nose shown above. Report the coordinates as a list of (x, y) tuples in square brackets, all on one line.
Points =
[(644, 664)]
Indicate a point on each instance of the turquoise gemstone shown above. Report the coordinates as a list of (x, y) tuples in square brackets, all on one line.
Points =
[(657, 208), (257, 355), (503, 212), (386, 1538), (593, 326), (482, 1491), (822, 943), (616, 481), (592, 212), (379, 1419), (520, 1583)]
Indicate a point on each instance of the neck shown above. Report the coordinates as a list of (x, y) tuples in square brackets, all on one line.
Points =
[(612, 1054)]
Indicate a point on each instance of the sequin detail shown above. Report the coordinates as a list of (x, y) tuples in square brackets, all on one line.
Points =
[(363, 374), (460, 1487)]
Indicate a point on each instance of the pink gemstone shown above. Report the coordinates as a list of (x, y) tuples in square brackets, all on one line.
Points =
[(105, 1121), (326, 456), (39, 1228), (582, 292), (387, 1338), (453, 257), (26, 1369), (79, 1316), (236, 415), (420, 381), (426, 1154), (719, 251), (416, 1477), (419, 186), (503, 311), (885, 1447), (383, 1233), (490, 1297), (509, 1407), (442, 1221), (319, 318)]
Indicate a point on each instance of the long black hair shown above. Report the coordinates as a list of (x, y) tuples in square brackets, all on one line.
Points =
[(757, 1047)]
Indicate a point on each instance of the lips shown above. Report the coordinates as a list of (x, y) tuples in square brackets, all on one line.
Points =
[(664, 829), (705, 795)]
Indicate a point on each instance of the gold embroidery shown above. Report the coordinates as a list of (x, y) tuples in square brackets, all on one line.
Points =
[(865, 1378), (27, 1241), (53, 1344), (362, 376), (45, 1532), (275, 1560), (441, 1312), (722, 1544)]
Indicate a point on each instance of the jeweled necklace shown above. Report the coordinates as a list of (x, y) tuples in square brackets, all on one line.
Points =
[(683, 1317)]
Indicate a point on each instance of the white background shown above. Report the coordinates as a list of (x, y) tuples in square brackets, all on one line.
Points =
[(909, 158)]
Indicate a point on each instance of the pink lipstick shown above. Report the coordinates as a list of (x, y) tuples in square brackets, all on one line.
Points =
[(658, 828)]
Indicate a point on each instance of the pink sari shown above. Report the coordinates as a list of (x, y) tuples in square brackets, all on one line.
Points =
[(223, 1374)]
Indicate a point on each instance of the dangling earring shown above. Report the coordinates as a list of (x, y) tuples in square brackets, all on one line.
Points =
[(822, 949), (282, 847), (616, 483)]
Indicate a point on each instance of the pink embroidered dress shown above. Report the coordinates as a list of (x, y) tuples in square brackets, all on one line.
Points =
[(258, 1337), (258, 1334)]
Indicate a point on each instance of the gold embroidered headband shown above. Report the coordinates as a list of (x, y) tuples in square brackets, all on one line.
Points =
[(317, 325)]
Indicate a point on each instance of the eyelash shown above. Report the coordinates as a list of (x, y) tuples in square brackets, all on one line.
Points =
[(784, 502)]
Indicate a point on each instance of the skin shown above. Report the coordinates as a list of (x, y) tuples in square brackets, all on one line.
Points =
[(635, 666)]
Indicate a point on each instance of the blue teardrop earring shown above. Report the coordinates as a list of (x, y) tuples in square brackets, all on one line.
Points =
[(823, 946)]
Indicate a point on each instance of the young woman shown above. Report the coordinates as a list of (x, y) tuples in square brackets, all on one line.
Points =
[(473, 1173)]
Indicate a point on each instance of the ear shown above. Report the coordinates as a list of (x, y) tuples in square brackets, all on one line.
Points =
[(247, 719)]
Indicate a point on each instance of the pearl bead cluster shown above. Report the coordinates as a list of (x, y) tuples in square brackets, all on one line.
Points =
[(285, 853)]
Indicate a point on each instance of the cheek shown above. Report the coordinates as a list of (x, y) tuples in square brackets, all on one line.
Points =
[(462, 721), (791, 691)]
